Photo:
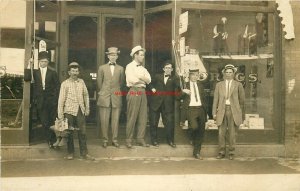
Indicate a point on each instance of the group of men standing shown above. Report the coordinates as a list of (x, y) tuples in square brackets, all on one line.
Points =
[(165, 88), (138, 80)]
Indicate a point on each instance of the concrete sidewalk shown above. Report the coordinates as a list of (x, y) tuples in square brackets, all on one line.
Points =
[(158, 173), (186, 182)]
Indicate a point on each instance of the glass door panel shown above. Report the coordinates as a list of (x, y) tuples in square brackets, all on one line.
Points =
[(83, 49)]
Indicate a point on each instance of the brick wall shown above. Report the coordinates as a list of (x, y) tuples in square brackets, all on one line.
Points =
[(291, 55)]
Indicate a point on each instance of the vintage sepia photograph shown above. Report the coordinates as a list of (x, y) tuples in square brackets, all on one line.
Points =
[(181, 95)]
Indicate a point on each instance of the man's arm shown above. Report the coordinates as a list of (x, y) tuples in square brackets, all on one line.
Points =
[(242, 99), (61, 101), (100, 76), (146, 77), (86, 99), (216, 100)]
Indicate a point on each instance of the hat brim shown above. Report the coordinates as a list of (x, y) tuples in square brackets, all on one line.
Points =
[(132, 53), (112, 52), (234, 70)]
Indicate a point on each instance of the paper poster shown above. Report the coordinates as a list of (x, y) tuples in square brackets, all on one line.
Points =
[(191, 61), (182, 46), (183, 22)]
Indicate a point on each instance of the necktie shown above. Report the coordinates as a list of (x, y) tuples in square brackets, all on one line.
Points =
[(167, 76), (195, 91), (227, 89), (43, 77), (138, 65), (112, 63)]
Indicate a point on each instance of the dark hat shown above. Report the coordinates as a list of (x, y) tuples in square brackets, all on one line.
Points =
[(193, 70), (43, 55), (113, 50)]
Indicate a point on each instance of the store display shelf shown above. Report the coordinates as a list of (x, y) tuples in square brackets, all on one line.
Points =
[(239, 57)]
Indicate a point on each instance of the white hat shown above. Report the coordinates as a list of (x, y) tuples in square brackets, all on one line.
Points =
[(135, 49), (230, 66)]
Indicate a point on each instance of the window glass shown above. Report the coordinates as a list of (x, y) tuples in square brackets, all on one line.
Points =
[(158, 40), (124, 4), (12, 51), (151, 4), (216, 38)]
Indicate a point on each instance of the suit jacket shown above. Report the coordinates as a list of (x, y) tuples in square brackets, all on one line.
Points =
[(110, 85), (52, 85), (236, 97), (187, 98), (165, 92)]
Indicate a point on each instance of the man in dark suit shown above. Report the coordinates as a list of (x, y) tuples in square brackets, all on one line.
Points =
[(195, 104), (162, 100), (110, 79), (45, 93), (228, 108)]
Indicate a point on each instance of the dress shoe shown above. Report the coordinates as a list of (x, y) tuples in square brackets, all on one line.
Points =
[(155, 144), (104, 145), (50, 145), (143, 144), (231, 157), (115, 144), (172, 144), (220, 156), (197, 156), (129, 145), (69, 157), (88, 157)]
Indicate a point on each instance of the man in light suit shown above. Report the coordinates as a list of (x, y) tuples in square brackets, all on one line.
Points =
[(45, 93), (228, 109), (194, 103), (110, 79), (164, 87)]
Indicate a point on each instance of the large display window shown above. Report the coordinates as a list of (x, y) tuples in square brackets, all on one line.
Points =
[(211, 39)]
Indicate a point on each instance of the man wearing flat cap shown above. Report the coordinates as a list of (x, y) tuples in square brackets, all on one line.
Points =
[(110, 80), (45, 93), (196, 107), (228, 107), (137, 77), (74, 104)]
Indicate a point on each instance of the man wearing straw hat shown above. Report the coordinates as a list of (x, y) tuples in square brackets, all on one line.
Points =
[(227, 109), (110, 79), (137, 77), (195, 104)]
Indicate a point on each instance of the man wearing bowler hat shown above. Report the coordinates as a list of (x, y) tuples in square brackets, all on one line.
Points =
[(137, 77), (196, 107), (45, 93), (228, 106), (110, 79)]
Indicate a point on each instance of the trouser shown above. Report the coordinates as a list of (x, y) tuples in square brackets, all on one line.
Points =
[(227, 126), (78, 122), (168, 121), (136, 113), (47, 114), (197, 119), (105, 114)]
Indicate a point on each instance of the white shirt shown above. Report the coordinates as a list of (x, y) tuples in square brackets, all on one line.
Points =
[(43, 75), (133, 71), (165, 79), (193, 101), (112, 68), (227, 91)]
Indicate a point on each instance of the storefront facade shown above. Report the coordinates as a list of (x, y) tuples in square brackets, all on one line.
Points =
[(253, 40)]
